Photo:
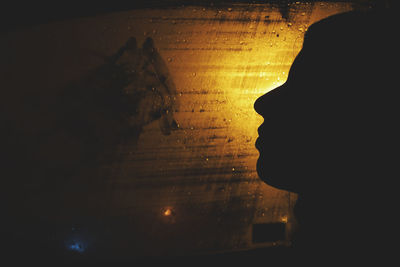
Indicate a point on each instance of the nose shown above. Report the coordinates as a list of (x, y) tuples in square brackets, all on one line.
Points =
[(258, 104), (268, 102)]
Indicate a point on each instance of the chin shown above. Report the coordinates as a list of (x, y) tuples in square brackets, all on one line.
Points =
[(277, 175), (264, 171)]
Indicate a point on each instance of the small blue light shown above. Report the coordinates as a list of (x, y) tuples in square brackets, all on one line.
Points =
[(76, 246)]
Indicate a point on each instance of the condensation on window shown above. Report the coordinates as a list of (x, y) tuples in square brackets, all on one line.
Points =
[(183, 179)]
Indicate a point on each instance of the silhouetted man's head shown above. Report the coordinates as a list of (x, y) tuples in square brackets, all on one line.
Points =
[(330, 132), (337, 108)]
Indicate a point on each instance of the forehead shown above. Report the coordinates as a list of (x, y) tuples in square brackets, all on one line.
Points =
[(334, 58)]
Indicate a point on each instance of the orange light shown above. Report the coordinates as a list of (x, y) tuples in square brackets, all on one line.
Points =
[(168, 212)]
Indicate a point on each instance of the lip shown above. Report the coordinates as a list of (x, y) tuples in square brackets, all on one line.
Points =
[(261, 137), (260, 130), (258, 144)]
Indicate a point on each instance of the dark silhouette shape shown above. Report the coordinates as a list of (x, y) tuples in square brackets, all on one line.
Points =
[(331, 135), (133, 89)]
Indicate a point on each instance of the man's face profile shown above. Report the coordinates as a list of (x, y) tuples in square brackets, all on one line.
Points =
[(320, 123), (284, 137)]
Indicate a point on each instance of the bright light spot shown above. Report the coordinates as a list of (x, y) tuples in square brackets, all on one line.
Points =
[(284, 219), (167, 212)]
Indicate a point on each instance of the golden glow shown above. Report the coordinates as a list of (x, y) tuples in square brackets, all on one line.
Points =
[(167, 212), (221, 62)]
